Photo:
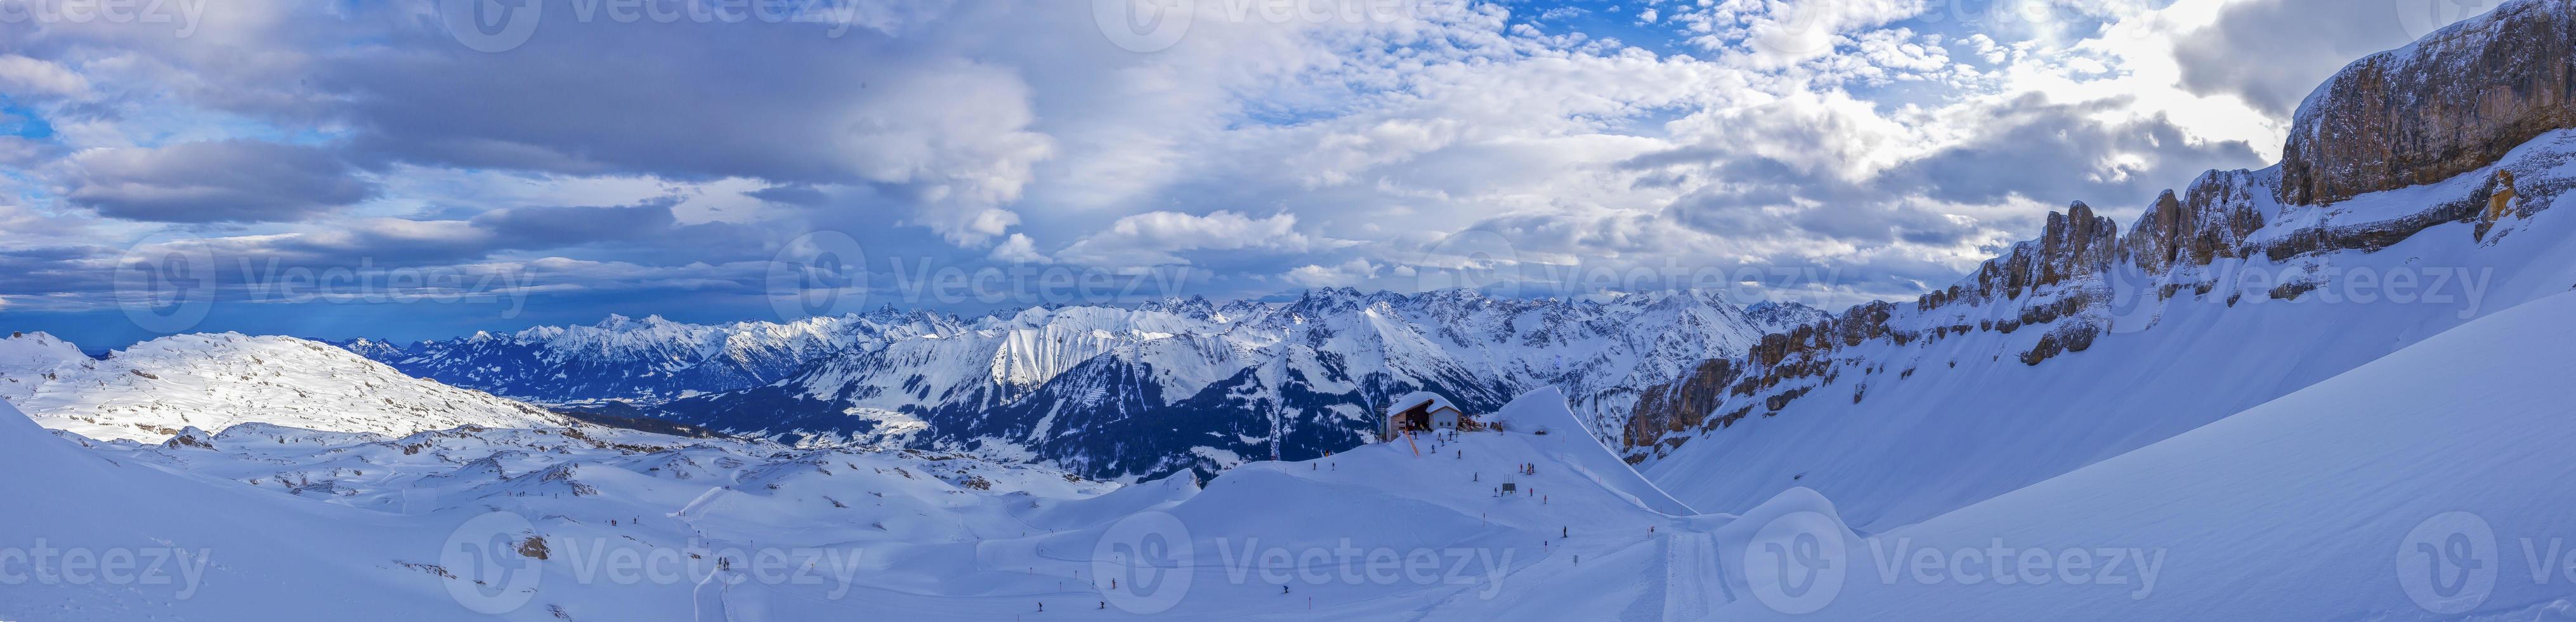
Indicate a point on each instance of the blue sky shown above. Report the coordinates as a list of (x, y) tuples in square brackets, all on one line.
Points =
[(339, 169)]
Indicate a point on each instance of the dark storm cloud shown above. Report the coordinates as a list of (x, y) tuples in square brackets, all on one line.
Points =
[(806, 196), (2057, 153), (786, 102), (220, 181), (53, 269), (547, 227), (2272, 53), (644, 231)]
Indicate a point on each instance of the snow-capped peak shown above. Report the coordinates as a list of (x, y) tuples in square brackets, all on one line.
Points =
[(155, 389)]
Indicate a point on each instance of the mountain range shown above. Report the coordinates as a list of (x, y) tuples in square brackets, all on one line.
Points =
[(1114, 393)]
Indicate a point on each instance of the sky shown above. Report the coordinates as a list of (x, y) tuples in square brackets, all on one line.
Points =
[(429, 168)]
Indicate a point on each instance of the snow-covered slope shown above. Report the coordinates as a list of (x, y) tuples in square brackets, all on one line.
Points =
[(158, 388), (273, 523), (2308, 507), (2298, 509), (530, 525), (1938, 404), (27, 358), (2239, 288)]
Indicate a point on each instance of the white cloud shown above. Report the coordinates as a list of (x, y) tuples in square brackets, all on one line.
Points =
[(21, 74), (1157, 238), (1019, 249), (1795, 132), (1349, 273)]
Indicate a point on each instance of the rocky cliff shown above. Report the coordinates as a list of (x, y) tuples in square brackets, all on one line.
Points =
[(2209, 221), (2449, 104), (2432, 114)]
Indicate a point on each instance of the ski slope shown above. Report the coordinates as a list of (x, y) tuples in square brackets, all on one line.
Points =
[(2307, 507)]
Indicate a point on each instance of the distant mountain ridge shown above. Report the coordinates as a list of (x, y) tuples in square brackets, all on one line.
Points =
[(648, 360), (1179, 384)]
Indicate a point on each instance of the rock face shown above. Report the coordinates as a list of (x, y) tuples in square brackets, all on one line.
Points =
[(2441, 110), (1681, 405), (2451, 103), (2209, 221), (2074, 244)]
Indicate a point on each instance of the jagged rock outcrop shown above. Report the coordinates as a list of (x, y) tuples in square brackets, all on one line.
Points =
[(2454, 103), (1681, 405), (2451, 103), (2208, 221), (2075, 244)]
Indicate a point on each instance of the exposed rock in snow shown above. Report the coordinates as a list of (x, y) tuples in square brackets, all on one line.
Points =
[(2292, 509), (2208, 223), (2451, 103), (30, 359)]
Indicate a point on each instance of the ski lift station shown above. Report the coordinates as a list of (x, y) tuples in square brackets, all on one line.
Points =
[(1422, 412)]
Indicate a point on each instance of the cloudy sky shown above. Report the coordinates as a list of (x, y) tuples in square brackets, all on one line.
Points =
[(426, 168)]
